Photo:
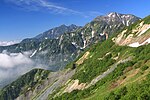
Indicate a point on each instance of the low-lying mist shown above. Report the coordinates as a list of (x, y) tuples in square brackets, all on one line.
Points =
[(13, 65)]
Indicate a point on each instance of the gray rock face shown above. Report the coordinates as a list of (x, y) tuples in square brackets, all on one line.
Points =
[(114, 18), (54, 81)]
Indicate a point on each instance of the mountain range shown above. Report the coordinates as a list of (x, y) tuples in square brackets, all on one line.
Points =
[(58, 46), (107, 59)]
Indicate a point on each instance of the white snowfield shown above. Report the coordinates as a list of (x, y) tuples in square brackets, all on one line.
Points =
[(137, 44)]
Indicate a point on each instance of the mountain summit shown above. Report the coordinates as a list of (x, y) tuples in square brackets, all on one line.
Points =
[(113, 17), (57, 31)]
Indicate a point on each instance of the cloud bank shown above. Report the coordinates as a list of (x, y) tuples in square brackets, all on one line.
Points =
[(13, 60), (7, 43), (12, 65)]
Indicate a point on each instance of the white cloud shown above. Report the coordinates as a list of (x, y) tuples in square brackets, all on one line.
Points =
[(13, 60), (43, 5), (6, 43), (12, 65)]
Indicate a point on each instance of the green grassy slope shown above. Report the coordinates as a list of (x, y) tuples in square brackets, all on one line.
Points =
[(129, 81), (109, 87)]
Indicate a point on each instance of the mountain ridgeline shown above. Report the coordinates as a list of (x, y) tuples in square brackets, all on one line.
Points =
[(57, 31), (58, 46)]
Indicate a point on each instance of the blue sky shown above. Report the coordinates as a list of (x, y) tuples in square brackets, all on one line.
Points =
[(20, 19)]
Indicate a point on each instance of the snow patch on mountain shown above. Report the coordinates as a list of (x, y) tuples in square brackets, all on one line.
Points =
[(33, 53), (93, 32), (46, 38), (75, 44), (40, 48), (84, 44), (61, 39), (128, 22), (137, 44)]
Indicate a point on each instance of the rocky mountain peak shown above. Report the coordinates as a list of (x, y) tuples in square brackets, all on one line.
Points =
[(57, 31), (113, 17), (112, 14)]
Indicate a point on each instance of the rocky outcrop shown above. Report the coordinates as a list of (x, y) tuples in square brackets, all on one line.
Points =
[(84, 57), (136, 36), (74, 85)]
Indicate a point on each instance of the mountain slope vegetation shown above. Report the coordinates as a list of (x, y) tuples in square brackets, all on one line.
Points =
[(128, 80), (109, 70)]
